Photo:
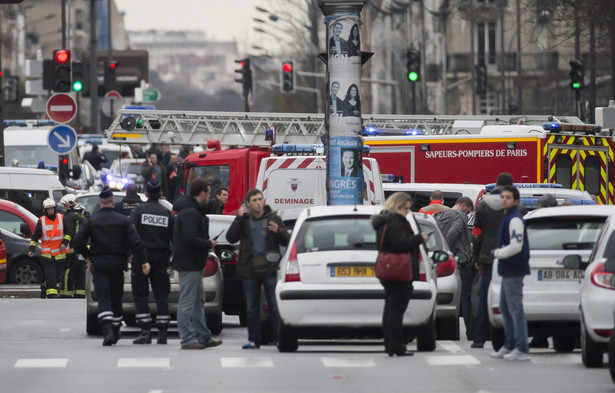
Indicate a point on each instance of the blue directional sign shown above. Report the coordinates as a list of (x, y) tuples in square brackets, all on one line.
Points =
[(62, 139)]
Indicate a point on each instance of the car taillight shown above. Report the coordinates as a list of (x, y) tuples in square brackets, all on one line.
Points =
[(447, 268), (601, 278), (292, 266), (422, 276), (2, 264), (211, 267), (232, 261), (496, 310), (606, 333)]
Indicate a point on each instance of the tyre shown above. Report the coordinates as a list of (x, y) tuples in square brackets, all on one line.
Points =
[(26, 271), (287, 338), (92, 327), (591, 352), (497, 337), (426, 335), (563, 344), (447, 329), (214, 323), (612, 356)]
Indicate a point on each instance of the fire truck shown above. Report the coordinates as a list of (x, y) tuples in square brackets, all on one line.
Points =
[(414, 148)]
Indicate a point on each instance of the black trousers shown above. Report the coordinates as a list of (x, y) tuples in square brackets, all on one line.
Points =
[(159, 278), (54, 272), (108, 278), (467, 274), (74, 279), (397, 295)]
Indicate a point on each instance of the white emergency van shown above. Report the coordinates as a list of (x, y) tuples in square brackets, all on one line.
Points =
[(297, 181), (30, 187)]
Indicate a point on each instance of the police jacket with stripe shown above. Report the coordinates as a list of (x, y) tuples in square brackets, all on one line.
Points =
[(154, 223), (190, 235), (109, 233)]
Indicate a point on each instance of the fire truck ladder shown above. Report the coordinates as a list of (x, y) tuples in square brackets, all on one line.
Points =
[(249, 128)]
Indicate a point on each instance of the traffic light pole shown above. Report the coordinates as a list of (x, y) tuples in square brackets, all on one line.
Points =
[(94, 110)]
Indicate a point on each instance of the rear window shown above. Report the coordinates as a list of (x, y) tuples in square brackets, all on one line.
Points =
[(421, 198), (336, 233), (564, 233)]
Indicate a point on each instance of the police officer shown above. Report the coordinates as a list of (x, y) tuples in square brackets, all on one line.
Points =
[(111, 236), (50, 230), (74, 276), (154, 224), (129, 202)]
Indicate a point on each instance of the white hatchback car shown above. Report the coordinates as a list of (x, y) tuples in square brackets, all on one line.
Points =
[(551, 291), (597, 297), (327, 286)]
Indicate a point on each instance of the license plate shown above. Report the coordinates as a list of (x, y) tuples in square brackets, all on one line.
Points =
[(353, 271), (560, 275)]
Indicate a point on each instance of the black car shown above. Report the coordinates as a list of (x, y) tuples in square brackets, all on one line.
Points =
[(22, 269)]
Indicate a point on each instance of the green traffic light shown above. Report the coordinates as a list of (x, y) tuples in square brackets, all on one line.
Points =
[(413, 76), (576, 85), (77, 86)]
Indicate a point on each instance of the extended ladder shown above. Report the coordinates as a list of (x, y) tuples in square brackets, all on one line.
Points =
[(248, 128)]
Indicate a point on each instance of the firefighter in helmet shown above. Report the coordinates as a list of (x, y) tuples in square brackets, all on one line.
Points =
[(50, 230), (74, 276)]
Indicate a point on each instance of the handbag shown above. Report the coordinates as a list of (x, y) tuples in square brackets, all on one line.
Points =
[(391, 266)]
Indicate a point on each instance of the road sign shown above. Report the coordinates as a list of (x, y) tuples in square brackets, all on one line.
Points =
[(61, 108), (113, 95), (147, 95), (112, 102), (140, 107), (62, 139)]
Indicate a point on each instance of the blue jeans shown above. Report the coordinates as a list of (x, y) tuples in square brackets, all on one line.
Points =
[(481, 323), (252, 288), (191, 321), (511, 305)]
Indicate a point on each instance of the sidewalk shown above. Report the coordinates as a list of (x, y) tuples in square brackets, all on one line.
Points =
[(20, 291)]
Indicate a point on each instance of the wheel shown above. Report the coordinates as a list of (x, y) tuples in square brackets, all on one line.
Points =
[(92, 327), (563, 344), (447, 328), (497, 337), (26, 271), (612, 356), (591, 352), (426, 335), (214, 323), (287, 338)]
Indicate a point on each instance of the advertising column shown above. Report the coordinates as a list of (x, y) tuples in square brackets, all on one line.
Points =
[(343, 117)]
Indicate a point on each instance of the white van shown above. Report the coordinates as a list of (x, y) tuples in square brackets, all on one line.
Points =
[(292, 182), (30, 187), (420, 192)]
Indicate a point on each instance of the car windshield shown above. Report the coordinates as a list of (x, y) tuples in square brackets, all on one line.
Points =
[(217, 226), (336, 233), (132, 168), (564, 233)]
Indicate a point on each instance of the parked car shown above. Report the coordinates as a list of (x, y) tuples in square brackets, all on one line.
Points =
[(89, 200), (551, 291), (124, 172), (327, 286), (90, 180), (20, 268), (213, 281), (448, 280)]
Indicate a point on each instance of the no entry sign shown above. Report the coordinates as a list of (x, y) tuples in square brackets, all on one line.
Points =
[(61, 108)]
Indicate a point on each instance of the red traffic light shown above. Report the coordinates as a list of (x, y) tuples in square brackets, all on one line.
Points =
[(114, 65), (287, 67), (65, 161), (62, 56)]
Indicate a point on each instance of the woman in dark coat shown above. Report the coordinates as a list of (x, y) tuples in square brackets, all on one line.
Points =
[(399, 238)]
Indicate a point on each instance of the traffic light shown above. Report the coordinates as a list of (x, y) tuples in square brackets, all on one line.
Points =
[(577, 75), (78, 76), (288, 77), (61, 71), (11, 90), (481, 79), (413, 65), (63, 169), (111, 74), (246, 75)]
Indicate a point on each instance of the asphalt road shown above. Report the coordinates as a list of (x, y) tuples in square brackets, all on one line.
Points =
[(44, 348)]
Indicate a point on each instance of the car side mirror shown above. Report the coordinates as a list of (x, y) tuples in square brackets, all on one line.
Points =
[(609, 265), (572, 261), (25, 230), (439, 256)]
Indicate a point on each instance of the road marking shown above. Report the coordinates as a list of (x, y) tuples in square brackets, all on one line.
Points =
[(450, 347), (64, 330), (246, 362), (41, 363), (144, 362), (347, 362), (451, 360), (553, 358)]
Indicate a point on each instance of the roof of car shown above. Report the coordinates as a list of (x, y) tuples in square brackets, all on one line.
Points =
[(323, 211), (221, 217), (577, 210)]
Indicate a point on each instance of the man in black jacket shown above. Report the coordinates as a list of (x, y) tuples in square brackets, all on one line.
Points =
[(154, 224), (261, 232), (110, 236), (216, 205), (74, 281), (191, 245)]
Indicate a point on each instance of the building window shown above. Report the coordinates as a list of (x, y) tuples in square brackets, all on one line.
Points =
[(486, 43)]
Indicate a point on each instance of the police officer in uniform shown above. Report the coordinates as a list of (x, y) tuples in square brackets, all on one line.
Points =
[(50, 230), (74, 276), (111, 236), (154, 223)]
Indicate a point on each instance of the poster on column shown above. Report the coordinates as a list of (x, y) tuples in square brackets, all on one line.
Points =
[(345, 171)]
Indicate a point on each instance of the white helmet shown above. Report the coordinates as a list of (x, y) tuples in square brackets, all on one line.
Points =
[(49, 203), (69, 200)]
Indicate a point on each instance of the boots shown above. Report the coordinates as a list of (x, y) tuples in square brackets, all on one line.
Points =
[(108, 337), (162, 335), (116, 333), (145, 337)]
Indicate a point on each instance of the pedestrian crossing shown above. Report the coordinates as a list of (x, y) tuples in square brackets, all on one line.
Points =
[(447, 353)]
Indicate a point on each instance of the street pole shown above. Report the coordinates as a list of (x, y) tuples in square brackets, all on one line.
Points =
[(519, 71), (343, 122), (472, 54), (2, 163), (110, 49), (94, 110), (64, 24), (502, 58), (423, 59)]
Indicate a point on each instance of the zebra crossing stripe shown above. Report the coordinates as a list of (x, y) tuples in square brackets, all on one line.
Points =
[(144, 362), (347, 362), (246, 362), (448, 360), (41, 363)]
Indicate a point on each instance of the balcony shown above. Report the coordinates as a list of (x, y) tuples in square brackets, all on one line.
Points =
[(543, 61)]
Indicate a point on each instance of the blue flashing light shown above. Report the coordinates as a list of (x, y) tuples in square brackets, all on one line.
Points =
[(387, 177), (414, 132), (371, 131), (552, 126), (489, 187), (314, 149), (124, 180), (109, 177)]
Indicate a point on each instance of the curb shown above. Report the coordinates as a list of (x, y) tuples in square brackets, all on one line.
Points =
[(20, 291)]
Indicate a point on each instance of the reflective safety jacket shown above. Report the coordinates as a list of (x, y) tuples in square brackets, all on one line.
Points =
[(51, 234), (72, 219)]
